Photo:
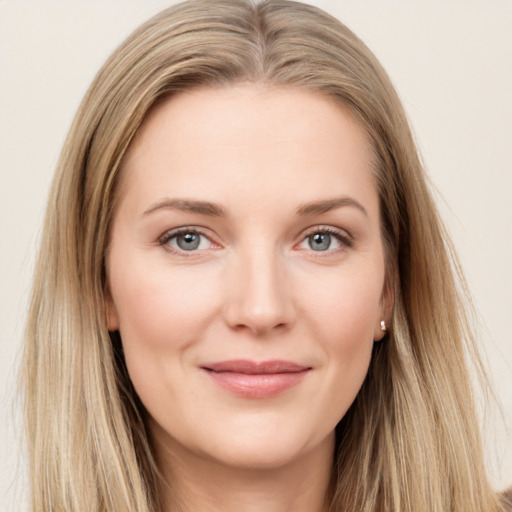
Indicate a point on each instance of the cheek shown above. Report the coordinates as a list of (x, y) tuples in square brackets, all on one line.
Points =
[(345, 307), (161, 314), (157, 306), (342, 315)]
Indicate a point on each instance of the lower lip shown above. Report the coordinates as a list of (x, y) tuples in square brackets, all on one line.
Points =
[(263, 385)]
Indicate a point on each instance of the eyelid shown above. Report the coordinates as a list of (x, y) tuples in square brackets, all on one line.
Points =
[(345, 239), (164, 239)]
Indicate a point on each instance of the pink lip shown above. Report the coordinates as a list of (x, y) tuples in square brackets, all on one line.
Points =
[(252, 379)]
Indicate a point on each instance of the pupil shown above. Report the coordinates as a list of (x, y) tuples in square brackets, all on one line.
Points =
[(188, 241), (320, 241)]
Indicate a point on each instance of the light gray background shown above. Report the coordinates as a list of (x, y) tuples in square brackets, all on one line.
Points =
[(452, 65)]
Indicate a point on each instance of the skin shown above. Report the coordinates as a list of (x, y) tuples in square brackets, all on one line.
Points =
[(256, 288)]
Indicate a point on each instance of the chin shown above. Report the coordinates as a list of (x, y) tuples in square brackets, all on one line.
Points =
[(270, 448)]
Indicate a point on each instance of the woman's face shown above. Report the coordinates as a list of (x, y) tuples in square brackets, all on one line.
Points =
[(246, 272)]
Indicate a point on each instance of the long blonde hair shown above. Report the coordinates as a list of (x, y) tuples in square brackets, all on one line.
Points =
[(410, 442)]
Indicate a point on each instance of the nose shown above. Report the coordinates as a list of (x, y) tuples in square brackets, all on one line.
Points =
[(259, 294)]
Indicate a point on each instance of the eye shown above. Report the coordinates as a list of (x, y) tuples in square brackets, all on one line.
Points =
[(325, 240), (186, 240)]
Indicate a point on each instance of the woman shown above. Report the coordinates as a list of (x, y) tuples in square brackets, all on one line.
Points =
[(245, 299)]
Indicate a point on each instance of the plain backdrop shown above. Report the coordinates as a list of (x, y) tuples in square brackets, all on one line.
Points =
[(452, 65)]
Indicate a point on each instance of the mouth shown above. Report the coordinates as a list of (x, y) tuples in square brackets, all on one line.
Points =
[(251, 379)]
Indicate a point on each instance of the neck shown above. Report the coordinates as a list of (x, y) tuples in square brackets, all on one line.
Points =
[(193, 483)]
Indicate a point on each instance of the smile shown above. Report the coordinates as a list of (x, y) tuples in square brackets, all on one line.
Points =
[(250, 379)]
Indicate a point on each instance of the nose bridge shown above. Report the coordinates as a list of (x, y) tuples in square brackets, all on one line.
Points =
[(259, 299)]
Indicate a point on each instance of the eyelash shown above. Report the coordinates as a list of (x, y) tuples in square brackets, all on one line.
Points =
[(345, 240), (167, 237)]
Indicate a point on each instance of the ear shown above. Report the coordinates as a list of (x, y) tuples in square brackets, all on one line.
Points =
[(387, 302), (112, 317)]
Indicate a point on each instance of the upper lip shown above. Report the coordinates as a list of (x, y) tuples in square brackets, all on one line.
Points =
[(254, 367)]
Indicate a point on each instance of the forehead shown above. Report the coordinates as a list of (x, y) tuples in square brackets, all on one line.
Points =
[(247, 109), (248, 138)]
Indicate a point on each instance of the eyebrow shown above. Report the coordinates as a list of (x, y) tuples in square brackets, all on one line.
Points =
[(188, 205), (326, 205), (215, 210)]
